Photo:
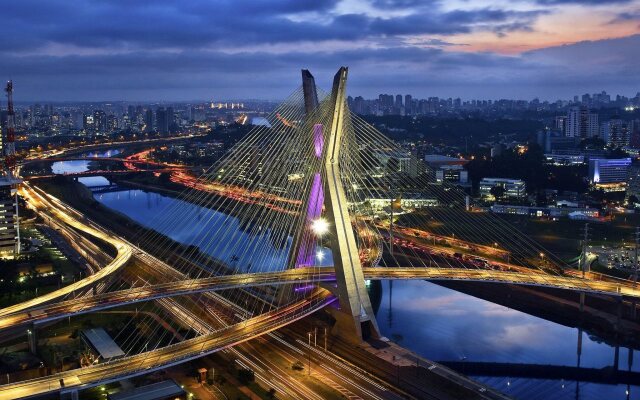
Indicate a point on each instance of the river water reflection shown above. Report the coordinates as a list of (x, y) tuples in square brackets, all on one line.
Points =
[(445, 325), (243, 245), (75, 166)]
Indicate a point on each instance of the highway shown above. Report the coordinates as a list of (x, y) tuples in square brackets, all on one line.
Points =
[(113, 299), (178, 353), (118, 298), (45, 204)]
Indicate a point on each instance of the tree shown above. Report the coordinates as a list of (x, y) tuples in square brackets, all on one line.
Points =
[(497, 191), (246, 376), (164, 177)]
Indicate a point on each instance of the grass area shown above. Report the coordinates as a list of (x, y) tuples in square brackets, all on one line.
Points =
[(19, 279)]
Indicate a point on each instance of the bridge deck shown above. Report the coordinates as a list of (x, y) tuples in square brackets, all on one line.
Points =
[(104, 301)]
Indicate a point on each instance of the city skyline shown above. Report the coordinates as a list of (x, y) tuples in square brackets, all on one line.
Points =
[(168, 51)]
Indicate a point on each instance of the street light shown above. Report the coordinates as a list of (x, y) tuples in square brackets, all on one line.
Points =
[(320, 226), (309, 353)]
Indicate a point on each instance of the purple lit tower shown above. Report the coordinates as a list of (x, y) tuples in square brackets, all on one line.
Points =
[(307, 251)]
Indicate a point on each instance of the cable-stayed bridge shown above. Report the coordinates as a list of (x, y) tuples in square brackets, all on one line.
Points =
[(296, 217)]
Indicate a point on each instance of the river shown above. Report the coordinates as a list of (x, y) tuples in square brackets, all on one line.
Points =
[(75, 166), (438, 323)]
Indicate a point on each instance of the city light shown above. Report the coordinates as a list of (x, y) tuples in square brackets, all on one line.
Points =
[(320, 226)]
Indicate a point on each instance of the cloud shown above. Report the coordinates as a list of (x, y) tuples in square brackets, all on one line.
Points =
[(626, 17), (150, 75), (170, 50), (583, 2), (118, 25)]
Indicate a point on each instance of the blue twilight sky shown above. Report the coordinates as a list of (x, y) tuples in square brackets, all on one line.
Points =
[(230, 49)]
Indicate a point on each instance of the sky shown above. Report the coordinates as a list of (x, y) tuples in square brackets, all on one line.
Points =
[(173, 50)]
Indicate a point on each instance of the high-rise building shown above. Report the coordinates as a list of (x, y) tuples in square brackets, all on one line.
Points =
[(398, 103), (162, 120), (580, 123), (171, 124), (609, 174), (9, 235), (408, 105), (358, 105), (8, 218), (560, 123), (616, 132), (100, 123), (148, 120), (77, 120), (112, 123), (131, 112), (88, 123)]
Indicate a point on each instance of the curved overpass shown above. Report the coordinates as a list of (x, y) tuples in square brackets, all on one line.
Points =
[(43, 204), (108, 300), (178, 353), (118, 298)]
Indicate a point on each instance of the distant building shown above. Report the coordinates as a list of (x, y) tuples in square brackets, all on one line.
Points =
[(148, 120), (100, 124), (397, 162), (538, 212), (407, 202), (560, 124), (455, 174), (514, 188), (633, 181), (564, 159), (616, 133), (162, 120), (436, 160), (8, 218), (408, 103), (398, 103), (581, 123), (609, 174)]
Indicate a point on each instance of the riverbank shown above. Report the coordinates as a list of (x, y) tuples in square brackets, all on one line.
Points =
[(612, 320)]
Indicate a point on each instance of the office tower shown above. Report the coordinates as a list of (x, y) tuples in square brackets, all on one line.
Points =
[(581, 123), (131, 112), (148, 120), (162, 120), (100, 121), (171, 124), (609, 174), (560, 124), (408, 102), (8, 217), (112, 123), (616, 133)]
